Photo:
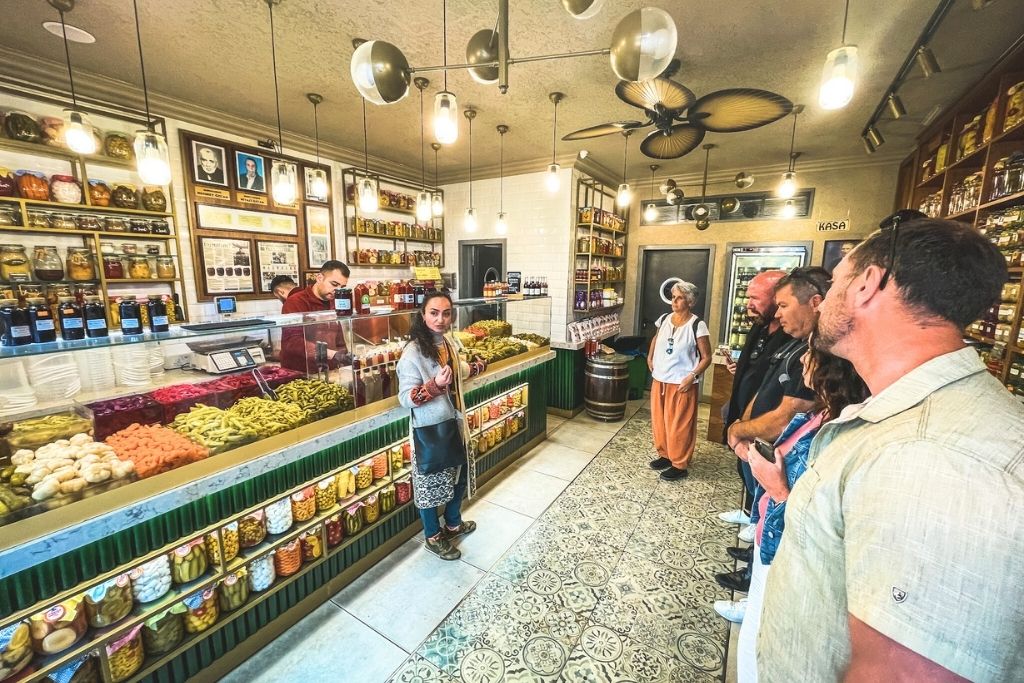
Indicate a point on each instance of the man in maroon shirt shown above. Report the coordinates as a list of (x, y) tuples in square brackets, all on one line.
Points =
[(298, 344)]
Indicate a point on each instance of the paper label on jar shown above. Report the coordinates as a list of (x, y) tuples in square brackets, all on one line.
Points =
[(194, 601), (326, 484), (159, 320), (18, 331), (342, 304), (96, 324), (71, 323), (130, 324), (230, 580), (44, 324), (54, 614)]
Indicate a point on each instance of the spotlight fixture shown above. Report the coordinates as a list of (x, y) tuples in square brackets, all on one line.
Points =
[(151, 155), (552, 180), (868, 145), (787, 188), (318, 182), (423, 199), (446, 106), (436, 202), (379, 70), (651, 212), (282, 184), (896, 107), (501, 227), (743, 180), (875, 136), (583, 154), (369, 191), (624, 195), (839, 76), (666, 186), (925, 59), (675, 196), (469, 221), (78, 131), (483, 49)]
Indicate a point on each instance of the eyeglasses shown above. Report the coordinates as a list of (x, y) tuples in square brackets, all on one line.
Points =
[(798, 274)]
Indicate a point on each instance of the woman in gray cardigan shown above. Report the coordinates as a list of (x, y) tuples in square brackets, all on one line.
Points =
[(430, 376)]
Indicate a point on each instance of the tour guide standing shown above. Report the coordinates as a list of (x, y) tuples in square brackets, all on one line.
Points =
[(298, 343), (430, 375), (679, 353), (897, 564)]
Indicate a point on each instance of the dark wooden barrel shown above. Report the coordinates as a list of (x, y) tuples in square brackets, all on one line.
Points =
[(606, 387)]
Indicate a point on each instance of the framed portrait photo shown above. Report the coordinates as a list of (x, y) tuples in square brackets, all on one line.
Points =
[(318, 235), (250, 172), (209, 164), (286, 169), (315, 191), (836, 251)]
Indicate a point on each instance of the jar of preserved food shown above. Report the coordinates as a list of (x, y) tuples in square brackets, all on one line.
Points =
[(14, 263), (107, 248), (109, 602), (154, 199), (165, 269), (162, 632), (9, 216), (1014, 106), (99, 193), (33, 185), (118, 146), (81, 264), (160, 227), (8, 185), (138, 225), (115, 224), (343, 302), (138, 267), (21, 126), (88, 222), (38, 219), (46, 264), (95, 314), (131, 317), (40, 319), (128, 249), (63, 221), (203, 610), (157, 308), (124, 196), (65, 189), (14, 324)]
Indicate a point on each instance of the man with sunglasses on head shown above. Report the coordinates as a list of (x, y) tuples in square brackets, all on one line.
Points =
[(896, 564), (298, 344)]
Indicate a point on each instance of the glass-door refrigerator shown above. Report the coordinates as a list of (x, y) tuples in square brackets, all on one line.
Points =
[(746, 261)]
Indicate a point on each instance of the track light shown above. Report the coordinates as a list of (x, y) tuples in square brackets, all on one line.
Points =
[(875, 136), (896, 107), (868, 145), (925, 59)]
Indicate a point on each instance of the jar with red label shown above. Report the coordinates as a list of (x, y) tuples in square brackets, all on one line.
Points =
[(202, 610), (288, 558), (234, 591), (335, 530)]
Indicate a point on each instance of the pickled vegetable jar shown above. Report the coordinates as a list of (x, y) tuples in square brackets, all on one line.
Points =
[(229, 537), (312, 544), (234, 590), (46, 263), (163, 631), (109, 602), (288, 558), (335, 530), (125, 655), (138, 268), (252, 529), (188, 561), (165, 269), (14, 263), (403, 491), (80, 264), (326, 494), (371, 509), (304, 504), (201, 610), (59, 627), (152, 580), (113, 267), (279, 516), (261, 573), (15, 648)]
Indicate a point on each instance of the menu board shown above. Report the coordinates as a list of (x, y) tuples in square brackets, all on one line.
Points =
[(277, 258), (227, 265)]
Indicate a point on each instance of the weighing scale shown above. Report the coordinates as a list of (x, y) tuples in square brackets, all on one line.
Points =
[(218, 358)]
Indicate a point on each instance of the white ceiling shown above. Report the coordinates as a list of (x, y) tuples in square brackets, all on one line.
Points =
[(216, 53)]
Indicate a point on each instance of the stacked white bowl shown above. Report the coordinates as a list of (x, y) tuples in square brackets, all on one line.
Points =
[(16, 394), (94, 369), (131, 365)]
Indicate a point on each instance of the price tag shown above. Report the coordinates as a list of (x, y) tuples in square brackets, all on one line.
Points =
[(427, 273)]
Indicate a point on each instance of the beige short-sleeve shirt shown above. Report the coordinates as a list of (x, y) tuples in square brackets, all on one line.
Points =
[(909, 518)]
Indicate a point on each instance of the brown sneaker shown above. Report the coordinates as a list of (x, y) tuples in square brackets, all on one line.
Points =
[(442, 547), (466, 527)]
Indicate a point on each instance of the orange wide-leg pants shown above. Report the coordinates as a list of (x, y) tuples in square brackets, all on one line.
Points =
[(674, 422)]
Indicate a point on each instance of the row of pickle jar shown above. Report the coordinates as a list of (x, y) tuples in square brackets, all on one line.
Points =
[(601, 274), (931, 205), (494, 435), (382, 228), (386, 198), (965, 194), (46, 264), (605, 219), (395, 258), (1005, 229), (599, 246), (49, 131), (10, 216), (66, 189), (1008, 176), (36, 321), (495, 409)]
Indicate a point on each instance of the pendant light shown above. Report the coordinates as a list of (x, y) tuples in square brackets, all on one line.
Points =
[(624, 194), (702, 212), (469, 222), (552, 180), (446, 107), (78, 131), (150, 147), (369, 197), (282, 184), (787, 188), (502, 225), (436, 201), (839, 76), (789, 209), (651, 212), (423, 199), (318, 181)]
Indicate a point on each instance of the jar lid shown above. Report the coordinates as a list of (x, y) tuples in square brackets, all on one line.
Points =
[(128, 297), (63, 178)]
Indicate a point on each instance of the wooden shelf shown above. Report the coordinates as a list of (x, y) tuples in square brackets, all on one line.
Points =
[(980, 338), (88, 233), (586, 253), (974, 160), (394, 238), (43, 150), (598, 310), (600, 228), (61, 207), (130, 281), (387, 265), (600, 282), (933, 181), (955, 216), (1006, 199)]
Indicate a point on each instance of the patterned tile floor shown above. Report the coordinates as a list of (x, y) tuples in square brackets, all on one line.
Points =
[(612, 579)]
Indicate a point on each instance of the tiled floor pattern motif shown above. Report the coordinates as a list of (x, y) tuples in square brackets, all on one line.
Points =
[(613, 582)]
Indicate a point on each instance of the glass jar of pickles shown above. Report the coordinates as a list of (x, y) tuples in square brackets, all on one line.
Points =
[(138, 267), (80, 264), (14, 263), (165, 269), (163, 631)]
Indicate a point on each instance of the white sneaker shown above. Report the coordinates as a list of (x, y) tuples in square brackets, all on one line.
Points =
[(731, 610), (734, 517), (746, 534)]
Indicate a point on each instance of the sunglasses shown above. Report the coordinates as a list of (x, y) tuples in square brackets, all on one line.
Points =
[(892, 223), (798, 274)]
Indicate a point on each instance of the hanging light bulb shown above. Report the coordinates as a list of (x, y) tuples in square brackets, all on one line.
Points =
[(318, 183), (423, 201), (78, 132), (623, 196), (552, 180), (318, 178), (283, 185), (369, 197), (446, 106), (839, 76), (501, 227), (651, 213), (469, 220), (787, 188), (436, 200), (151, 155), (789, 210)]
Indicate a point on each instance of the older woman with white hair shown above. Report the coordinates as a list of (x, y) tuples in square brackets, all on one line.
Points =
[(680, 352)]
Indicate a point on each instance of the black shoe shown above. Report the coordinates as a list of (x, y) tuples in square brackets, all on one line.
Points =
[(673, 473), (660, 463), (738, 580), (742, 554)]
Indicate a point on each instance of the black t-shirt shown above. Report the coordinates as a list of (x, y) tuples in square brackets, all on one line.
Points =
[(784, 378), (751, 367)]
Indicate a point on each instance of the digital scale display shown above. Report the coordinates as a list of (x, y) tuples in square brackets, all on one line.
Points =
[(235, 359)]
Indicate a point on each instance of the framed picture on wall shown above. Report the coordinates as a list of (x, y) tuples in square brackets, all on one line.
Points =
[(309, 278), (836, 251), (318, 234), (209, 164), (250, 172), (227, 265)]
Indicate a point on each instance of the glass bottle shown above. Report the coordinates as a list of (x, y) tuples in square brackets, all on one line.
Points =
[(46, 264), (40, 319), (69, 314), (410, 296), (157, 313), (361, 299), (131, 317), (360, 386), (385, 382), (179, 312), (15, 329), (397, 298), (419, 295), (95, 314)]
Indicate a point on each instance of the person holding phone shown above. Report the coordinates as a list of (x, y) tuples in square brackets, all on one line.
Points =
[(679, 353), (776, 467)]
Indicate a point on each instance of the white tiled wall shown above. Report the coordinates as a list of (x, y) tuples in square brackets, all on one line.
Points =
[(537, 240)]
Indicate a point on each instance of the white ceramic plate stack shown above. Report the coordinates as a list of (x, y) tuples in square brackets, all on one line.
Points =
[(16, 394), (94, 370), (54, 377), (156, 360), (131, 365)]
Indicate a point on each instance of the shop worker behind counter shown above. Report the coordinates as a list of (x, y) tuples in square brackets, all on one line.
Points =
[(902, 554), (298, 343)]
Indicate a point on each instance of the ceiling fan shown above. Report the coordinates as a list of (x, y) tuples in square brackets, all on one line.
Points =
[(681, 119)]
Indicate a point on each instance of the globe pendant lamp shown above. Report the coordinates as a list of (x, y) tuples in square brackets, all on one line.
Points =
[(282, 184), (423, 198), (788, 186), (582, 9), (469, 221), (380, 71), (552, 179), (643, 44), (318, 180), (78, 131), (624, 195), (501, 227), (446, 107), (368, 191), (436, 201), (839, 77), (651, 212), (151, 154)]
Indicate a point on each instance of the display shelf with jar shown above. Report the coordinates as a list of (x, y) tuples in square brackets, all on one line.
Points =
[(367, 234), (599, 249)]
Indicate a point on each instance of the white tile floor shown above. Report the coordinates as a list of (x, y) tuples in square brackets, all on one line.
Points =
[(366, 631)]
